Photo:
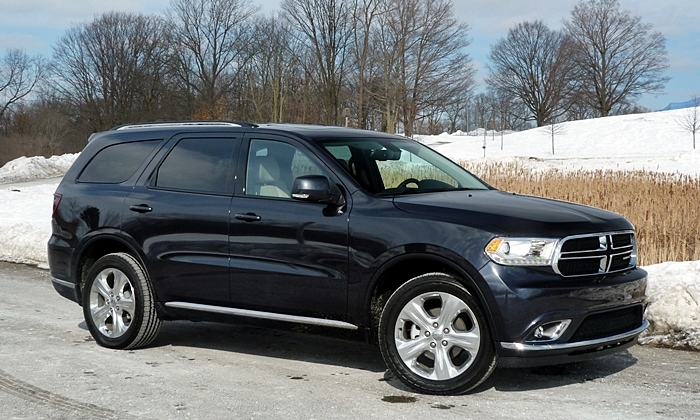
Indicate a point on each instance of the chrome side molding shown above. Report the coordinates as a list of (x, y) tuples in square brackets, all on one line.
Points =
[(262, 315)]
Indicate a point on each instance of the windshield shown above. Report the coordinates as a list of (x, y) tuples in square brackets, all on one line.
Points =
[(387, 166)]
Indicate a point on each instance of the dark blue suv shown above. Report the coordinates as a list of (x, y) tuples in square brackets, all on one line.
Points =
[(341, 228)]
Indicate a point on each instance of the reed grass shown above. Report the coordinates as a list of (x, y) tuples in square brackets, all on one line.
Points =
[(664, 208)]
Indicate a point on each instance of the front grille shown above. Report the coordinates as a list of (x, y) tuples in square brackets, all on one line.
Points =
[(620, 241), (608, 324), (619, 262), (602, 253), (581, 244), (579, 267)]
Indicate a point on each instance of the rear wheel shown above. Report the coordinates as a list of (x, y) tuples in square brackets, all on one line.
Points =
[(434, 337), (118, 303)]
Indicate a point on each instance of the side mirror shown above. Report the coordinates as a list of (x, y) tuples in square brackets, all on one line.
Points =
[(317, 189)]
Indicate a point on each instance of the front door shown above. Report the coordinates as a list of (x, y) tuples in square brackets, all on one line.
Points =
[(287, 256)]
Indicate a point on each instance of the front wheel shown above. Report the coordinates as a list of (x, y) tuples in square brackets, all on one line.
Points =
[(119, 304), (434, 337)]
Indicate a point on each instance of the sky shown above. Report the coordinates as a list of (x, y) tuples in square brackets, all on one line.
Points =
[(36, 25), (673, 287)]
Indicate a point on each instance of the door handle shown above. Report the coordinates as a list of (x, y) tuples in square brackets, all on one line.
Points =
[(141, 208), (248, 217)]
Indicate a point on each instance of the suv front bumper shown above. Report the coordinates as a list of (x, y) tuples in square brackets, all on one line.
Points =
[(603, 314), (532, 354)]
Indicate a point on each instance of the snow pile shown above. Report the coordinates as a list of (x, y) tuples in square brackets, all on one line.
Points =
[(674, 305), (25, 223), (37, 167)]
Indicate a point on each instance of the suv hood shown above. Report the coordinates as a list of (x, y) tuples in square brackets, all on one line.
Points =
[(511, 214)]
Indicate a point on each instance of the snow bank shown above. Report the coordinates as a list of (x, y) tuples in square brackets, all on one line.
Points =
[(38, 167), (674, 305), (25, 223), (25, 213)]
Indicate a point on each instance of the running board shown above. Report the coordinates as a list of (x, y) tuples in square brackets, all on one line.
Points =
[(262, 315)]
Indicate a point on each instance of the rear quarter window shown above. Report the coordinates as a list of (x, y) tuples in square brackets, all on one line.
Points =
[(117, 163)]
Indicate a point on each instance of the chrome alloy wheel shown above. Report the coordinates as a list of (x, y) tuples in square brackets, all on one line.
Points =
[(112, 302), (437, 336)]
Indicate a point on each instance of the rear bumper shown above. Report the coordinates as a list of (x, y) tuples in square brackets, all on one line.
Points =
[(531, 354), (66, 289)]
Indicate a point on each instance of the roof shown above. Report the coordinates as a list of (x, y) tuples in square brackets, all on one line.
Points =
[(312, 132), (323, 131)]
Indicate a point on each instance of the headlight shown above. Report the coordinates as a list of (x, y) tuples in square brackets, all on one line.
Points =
[(522, 251)]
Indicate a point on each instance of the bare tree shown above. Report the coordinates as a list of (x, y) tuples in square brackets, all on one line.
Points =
[(690, 120), (271, 68), (364, 18), (532, 64), (618, 57), (482, 107), (325, 27), (429, 63), (19, 75), (555, 128), (456, 111), (111, 70), (211, 45), (507, 111)]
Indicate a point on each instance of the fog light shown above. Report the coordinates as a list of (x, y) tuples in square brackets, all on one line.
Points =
[(551, 330)]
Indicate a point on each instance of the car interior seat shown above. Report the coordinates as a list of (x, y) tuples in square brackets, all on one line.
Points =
[(265, 176)]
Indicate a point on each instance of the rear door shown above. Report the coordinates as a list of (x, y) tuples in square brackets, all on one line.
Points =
[(179, 214), (287, 256)]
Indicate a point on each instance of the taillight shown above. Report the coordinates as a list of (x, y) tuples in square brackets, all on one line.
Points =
[(56, 202)]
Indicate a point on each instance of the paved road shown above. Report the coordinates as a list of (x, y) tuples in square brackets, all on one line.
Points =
[(50, 368)]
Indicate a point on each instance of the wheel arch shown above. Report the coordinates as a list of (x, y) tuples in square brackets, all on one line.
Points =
[(400, 269), (96, 247)]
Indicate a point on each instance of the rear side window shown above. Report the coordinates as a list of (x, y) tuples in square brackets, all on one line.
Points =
[(199, 165), (117, 163)]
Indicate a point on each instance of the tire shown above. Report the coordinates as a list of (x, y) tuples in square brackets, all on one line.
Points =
[(434, 337), (119, 304)]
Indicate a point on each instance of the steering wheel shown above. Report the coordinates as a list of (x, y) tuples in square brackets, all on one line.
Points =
[(405, 183)]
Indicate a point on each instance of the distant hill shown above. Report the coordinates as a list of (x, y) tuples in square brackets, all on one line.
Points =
[(680, 105)]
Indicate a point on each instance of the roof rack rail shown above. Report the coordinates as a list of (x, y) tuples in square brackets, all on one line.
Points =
[(194, 123)]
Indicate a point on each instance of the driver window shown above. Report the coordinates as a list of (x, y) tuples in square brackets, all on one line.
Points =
[(272, 167)]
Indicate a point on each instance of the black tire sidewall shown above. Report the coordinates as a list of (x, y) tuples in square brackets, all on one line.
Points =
[(120, 262), (484, 362)]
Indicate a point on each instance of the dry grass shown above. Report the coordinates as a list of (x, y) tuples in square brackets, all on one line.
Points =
[(664, 208)]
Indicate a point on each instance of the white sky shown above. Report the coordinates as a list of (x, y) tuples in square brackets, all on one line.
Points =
[(35, 25)]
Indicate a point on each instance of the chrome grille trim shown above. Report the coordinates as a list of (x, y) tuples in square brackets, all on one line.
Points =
[(606, 253)]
